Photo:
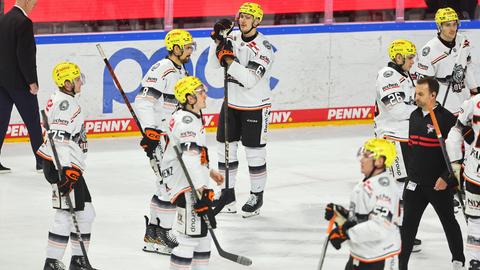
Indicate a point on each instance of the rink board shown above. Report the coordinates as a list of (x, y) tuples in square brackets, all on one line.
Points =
[(321, 74)]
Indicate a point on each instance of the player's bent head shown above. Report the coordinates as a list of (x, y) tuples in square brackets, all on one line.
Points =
[(382, 151), (68, 77), (188, 89), (400, 50)]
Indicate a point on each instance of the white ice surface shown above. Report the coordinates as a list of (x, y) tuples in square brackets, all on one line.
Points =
[(307, 168)]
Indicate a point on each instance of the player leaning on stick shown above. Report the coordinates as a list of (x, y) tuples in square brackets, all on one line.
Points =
[(469, 116), (187, 130), (155, 104), (393, 106), (370, 225), (248, 57), (67, 124)]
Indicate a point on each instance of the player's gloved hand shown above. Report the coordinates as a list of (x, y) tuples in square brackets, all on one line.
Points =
[(339, 212), (150, 141), (222, 29), (339, 234), (225, 51), (70, 177), (204, 206)]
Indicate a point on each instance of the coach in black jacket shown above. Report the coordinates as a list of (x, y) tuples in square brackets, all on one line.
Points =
[(429, 180), (18, 74)]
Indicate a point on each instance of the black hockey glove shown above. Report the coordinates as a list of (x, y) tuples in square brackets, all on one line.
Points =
[(150, 141), (224, 51), (204, 207), (336, 211), (339, 234), (222, 29), (70, 177)]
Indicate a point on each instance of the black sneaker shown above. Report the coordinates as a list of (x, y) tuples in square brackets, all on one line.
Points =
[(4, 169), (252, 206), (53, 264), (39, 166)]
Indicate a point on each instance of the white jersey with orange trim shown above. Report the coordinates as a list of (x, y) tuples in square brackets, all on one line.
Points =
[(469, 116), (374, 204), (188, 132), (393, 103), (67, 126), (249, 74), (155, 102), (439, 61)]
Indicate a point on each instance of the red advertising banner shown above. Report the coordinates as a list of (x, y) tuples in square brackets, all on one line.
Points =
[(88, 10), (283, 118)]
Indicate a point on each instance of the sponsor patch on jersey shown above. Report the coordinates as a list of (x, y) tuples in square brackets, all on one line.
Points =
[(151, 80), (425, 51), (390, 86), (422, 66), (384, 181), (387, 73), (265, 59), (64, 105), (187, 119), (267, 44)]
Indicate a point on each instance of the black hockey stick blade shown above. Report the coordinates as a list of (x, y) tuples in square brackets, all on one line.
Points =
[(235, 258)]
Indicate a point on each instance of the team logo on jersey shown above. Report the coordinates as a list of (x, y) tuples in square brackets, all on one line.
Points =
[(458, 73), (425, 51), (430, 128), (387, 73), (187, 119), (267, 44), (155, 66), (384, 181), (64, 105), (422, 66)]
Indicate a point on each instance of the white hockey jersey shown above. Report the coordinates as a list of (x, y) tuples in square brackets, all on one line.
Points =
[(374, 204), (156, 102), (469, 116), (249, 74), (393, 104), (67, 125), (188, 132), (438, 60)]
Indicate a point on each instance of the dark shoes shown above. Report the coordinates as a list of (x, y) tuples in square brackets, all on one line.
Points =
[(4, 169), (39, 167)]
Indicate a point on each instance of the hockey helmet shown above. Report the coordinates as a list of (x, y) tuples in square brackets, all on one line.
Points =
[(445, 15), (402, 47), (253, 9), (65, 71), (178, 37), (187, 86), (380, 147)]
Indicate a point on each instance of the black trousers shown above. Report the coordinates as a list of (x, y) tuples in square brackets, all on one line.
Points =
[(27, 106), (380, 265), (415, 203)]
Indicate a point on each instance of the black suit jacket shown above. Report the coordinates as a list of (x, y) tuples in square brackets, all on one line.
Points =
[(18, 64)]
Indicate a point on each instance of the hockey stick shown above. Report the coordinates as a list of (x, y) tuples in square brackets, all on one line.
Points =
[(129, 105), (69, 201), (229, 256), (222, 201), (447, 158), (453, 71), (326, 241)]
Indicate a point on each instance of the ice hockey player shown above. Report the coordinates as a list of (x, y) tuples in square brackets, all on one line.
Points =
[(469, 116), (370, 225), (447, 58), (154, 105), (394, 104), (66, 121), (248, 57), (188, 132)]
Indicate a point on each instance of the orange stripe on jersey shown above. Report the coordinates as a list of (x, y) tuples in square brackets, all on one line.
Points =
[(391, 138), (180, 193), (249, 108), (376, 259), (44, 156), (471, 180)]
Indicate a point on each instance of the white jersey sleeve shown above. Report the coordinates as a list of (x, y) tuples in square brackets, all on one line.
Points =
[(188, 133), (455, 139), (156, 102), (67, 127)]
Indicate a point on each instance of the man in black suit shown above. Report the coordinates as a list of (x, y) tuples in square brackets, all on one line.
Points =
[(18, 74)]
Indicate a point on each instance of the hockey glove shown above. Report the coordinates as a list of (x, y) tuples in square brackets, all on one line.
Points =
[(339, 234), (204, 207), (337, 211), (150, 141), (222, 29), (70, 177), (224, 51), (456, 167)]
